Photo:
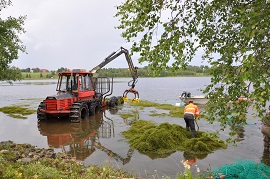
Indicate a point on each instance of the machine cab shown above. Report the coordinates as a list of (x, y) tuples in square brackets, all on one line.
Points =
[(77, 82)]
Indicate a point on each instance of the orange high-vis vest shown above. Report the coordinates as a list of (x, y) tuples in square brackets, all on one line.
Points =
[(192, 109)]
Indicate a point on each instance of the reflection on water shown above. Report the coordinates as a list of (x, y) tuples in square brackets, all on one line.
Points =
[(191, 158), (188, 156), (240, 131), (266, 157), (81, 139)]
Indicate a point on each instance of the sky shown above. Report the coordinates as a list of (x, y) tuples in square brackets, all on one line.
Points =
[(69, 33)]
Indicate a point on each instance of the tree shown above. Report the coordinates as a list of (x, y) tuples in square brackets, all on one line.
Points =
[(234, 37), (36, 70), (10, 44), (62, 69), (26, 70)]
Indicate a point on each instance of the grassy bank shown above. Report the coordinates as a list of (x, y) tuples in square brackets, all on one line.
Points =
[(26, 161)]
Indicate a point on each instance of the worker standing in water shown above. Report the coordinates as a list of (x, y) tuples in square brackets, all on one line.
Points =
[(191, 112)]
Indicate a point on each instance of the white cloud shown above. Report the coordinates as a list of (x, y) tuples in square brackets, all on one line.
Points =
[(69, 33)]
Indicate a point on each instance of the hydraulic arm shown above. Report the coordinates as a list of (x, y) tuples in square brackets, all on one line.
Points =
[(132, 69)]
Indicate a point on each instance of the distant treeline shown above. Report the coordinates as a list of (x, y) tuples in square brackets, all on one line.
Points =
[(36, 73), (144, 72)]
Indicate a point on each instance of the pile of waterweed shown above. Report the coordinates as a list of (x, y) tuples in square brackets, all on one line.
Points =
[(148, 137)]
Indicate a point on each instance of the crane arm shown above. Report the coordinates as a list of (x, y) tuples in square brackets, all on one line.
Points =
[(114, 55)]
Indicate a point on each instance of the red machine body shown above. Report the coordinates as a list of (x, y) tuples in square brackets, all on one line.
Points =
[(80, 94)]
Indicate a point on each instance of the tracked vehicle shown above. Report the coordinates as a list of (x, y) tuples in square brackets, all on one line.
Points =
[(80, 94)]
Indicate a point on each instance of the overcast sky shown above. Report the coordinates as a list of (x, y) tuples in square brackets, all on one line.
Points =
[(69, 33)]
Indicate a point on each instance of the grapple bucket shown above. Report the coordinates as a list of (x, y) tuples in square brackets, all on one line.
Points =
[(131, 90)]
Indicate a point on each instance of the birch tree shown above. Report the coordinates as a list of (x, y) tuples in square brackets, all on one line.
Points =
[(232, 36), (10, 43)]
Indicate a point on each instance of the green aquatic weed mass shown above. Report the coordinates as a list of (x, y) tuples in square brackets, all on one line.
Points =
[(174, 111), (148, 137), (17, 111)]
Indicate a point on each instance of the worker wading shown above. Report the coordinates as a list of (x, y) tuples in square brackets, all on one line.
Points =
[(191, 111)]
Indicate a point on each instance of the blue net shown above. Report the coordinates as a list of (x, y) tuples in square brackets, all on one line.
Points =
[(244, 169)]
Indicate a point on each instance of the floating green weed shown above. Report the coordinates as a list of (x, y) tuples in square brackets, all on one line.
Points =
[(158, 114), (148, 137), (17, 111), (126, 115), (129, 118), (144, 103), (166, 106), (174, 111)]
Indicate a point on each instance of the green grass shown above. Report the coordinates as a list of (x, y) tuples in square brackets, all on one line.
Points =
[(38, 76)]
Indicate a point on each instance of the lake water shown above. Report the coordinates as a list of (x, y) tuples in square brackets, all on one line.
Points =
[(98, 140)]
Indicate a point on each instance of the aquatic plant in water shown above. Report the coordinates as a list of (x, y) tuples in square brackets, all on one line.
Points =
[(148, 137), (17, 111), (174, 111)]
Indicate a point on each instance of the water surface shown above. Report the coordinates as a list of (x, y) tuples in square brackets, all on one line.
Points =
[(98, 140)]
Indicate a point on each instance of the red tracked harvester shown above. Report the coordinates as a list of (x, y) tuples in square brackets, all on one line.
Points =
[(80, 94)]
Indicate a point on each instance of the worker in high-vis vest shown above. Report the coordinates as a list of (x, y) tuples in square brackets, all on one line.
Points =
[(191, 112)]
